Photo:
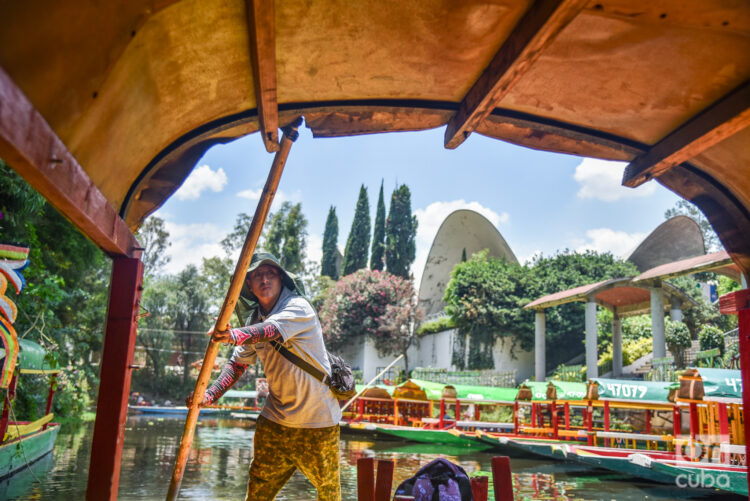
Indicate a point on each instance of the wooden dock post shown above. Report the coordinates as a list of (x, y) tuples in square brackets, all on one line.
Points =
[(365, 479), (502, 479), (384, 480), (480, 488)]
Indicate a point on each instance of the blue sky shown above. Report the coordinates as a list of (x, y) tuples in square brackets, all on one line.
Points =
[(539, 201)]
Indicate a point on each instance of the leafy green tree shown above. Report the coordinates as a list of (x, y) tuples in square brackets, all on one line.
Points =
[(486, 295), (378, 236), (236, 238), (189, 307), (711, 337), (678, 341), (216, 273), (685, 208), (355, 253), (400, 231), (154, 238), (484, 298), (330, 246), (284, 236), (155, 333), (64, 303)]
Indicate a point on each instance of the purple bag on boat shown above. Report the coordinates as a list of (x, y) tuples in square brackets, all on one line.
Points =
[(438, 480)]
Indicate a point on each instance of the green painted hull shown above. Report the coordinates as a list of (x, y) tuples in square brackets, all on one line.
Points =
[(618, 465), (14, 455), (432, 437), (504, 448), (731, 481)]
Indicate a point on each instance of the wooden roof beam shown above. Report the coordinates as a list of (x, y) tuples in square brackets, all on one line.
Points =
[(719, 121), (534, 32), (30, 146), (261, 23)]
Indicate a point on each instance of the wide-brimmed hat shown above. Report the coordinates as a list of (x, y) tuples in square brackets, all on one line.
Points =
[(248, 301)]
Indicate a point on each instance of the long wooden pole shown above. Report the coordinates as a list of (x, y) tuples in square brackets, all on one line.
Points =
[(370, 383), (222, 321)]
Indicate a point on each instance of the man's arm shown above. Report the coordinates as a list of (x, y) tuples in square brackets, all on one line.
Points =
[(256, 333), (231, 372)]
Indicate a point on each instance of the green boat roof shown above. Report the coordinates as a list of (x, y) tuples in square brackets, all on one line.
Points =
[(538, 389), (636, 391), (721, 383), (33, 359), (434, 391), (566, 390)]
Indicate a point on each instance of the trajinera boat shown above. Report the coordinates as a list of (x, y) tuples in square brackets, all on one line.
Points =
[(21, 442)]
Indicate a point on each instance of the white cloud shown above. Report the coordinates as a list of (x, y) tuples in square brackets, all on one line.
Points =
[(619, 243), (314, 248), (278, 199), (202, 178), (190, 243), (602, 180), (431, 217), (527, 259)]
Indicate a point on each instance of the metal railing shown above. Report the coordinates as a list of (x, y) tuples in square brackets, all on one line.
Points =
[(505, 379)]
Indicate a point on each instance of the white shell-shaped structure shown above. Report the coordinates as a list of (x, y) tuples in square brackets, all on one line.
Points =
[(462, 230)]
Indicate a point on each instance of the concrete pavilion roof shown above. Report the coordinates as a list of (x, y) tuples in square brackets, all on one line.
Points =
[(677, 238), (617, 294), (719, 262), (460, 230), (138, 90)]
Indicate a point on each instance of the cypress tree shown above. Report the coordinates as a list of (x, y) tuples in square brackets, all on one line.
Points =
[(378, 235), (330, 241), (358, 243), (400, 233)]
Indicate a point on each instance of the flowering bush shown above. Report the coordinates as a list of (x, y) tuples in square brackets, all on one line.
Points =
[(370, 303)]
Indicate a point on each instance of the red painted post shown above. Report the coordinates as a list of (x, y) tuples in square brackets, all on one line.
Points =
[(515, 417), (365, 479), (457, 412), (9, 396), (554, 419), (590, 423), (567, 418), (441, 421), (723, 429), (606, 422), (738, 303), (502, 479), (648, 421), (676, 421), (50, 395), (114, 388), (694, 425), (384, 480), (480, 488)]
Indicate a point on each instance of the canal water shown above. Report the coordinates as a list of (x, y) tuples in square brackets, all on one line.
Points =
[(222, 450)]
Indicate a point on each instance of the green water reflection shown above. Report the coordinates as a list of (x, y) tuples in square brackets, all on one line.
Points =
[(223, 449)]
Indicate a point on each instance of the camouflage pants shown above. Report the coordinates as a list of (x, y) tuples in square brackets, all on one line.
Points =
[(279, 450)]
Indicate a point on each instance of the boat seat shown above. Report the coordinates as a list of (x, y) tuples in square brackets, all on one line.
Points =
[(25, 429), (572, 433), (537, 430), (483, 424), (633, 436)]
